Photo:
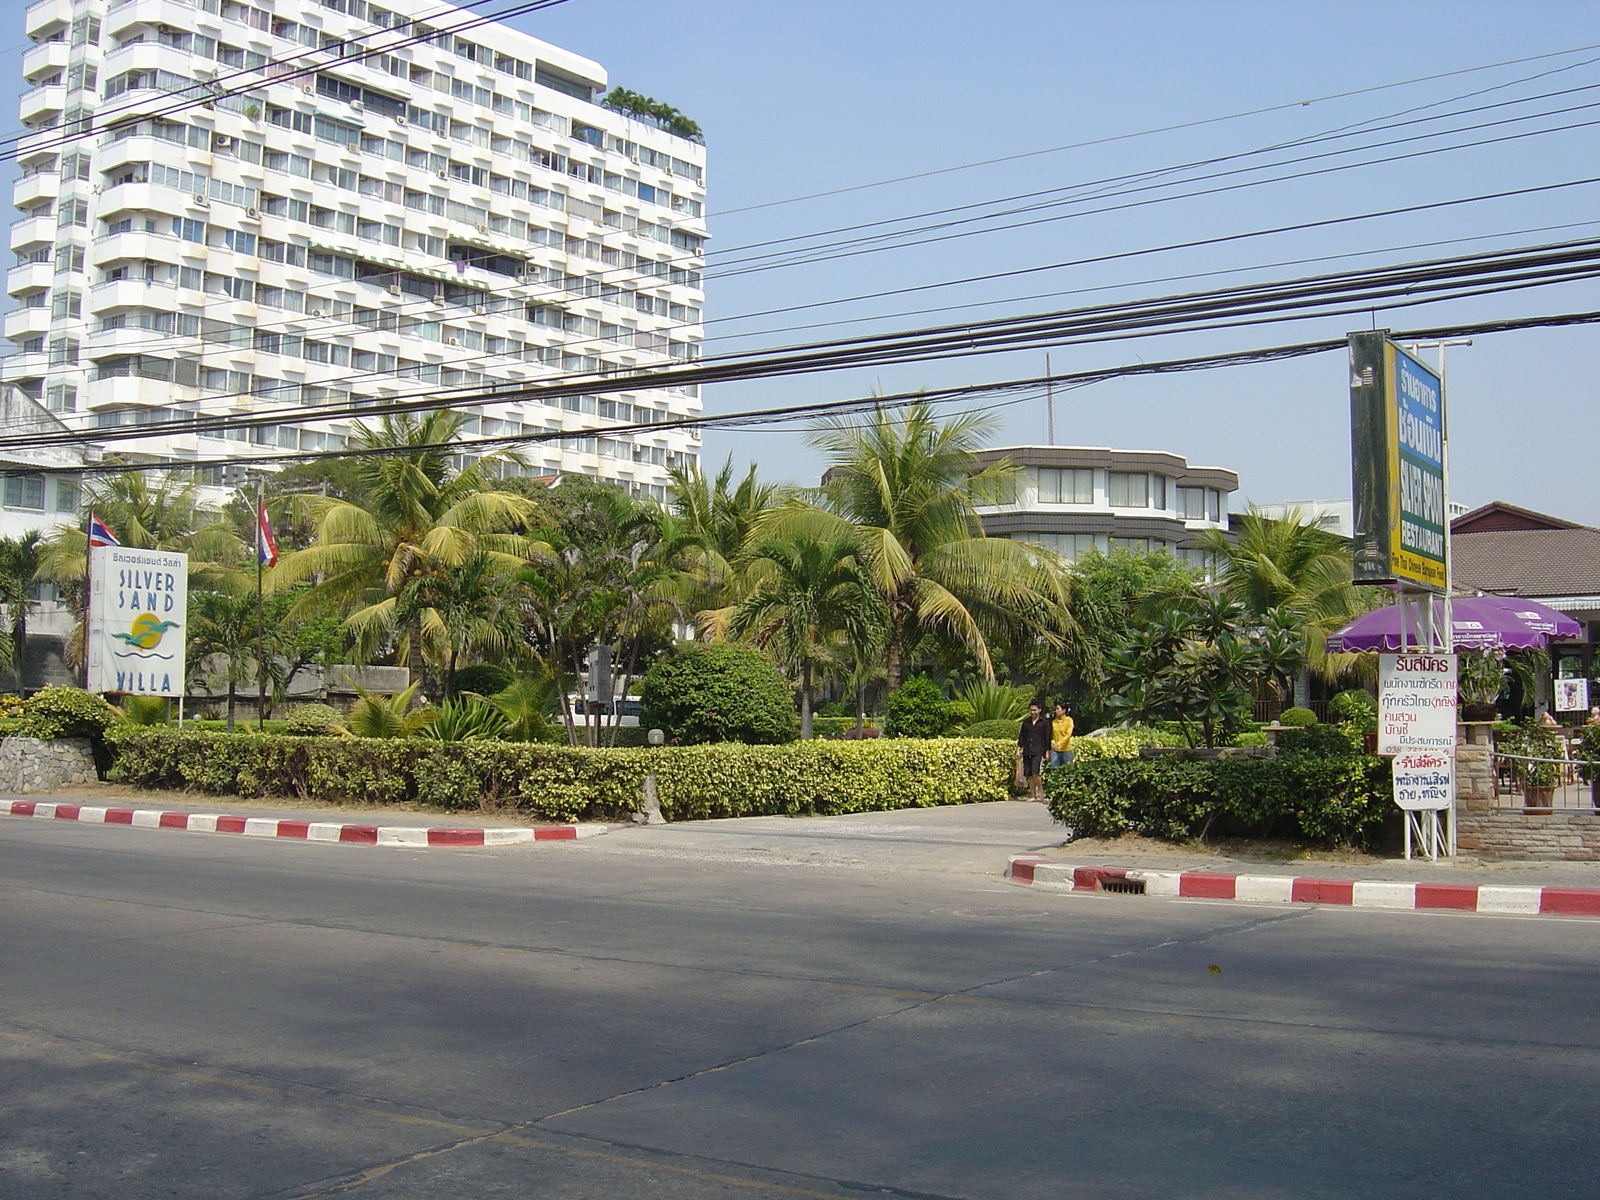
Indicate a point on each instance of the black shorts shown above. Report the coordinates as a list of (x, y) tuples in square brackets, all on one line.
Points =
[(1032, 764)]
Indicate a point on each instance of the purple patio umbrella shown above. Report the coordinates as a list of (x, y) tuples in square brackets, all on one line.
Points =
[(1481, 623)]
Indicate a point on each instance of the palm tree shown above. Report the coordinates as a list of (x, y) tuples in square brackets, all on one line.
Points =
[(907, 486), (19, 565), (716, 516), (610, 573), (1291, 565), (804, 593), (376, 559), (146, 512), (224, 626)]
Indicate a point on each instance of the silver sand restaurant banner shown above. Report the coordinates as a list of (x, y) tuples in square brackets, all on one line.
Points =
[(138, 621), (1397, 455)]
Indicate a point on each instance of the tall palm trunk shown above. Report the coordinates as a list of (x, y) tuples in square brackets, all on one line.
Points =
[(805, 700), (895, 648), (233, 691)]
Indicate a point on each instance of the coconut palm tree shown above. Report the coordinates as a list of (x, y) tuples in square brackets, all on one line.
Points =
[(716, 515), (805, 593), (906, 484), (419, 518)]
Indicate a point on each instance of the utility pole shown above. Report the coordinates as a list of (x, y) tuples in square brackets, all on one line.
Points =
[(1049, 400)]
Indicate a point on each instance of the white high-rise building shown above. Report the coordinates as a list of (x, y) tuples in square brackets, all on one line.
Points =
[(455, 212)]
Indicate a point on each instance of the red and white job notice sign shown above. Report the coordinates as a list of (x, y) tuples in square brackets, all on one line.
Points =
[(1416, 703)]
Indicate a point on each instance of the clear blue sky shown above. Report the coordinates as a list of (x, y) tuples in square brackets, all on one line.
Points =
[(803, 97)]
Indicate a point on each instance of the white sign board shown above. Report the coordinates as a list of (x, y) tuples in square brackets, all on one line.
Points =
[(1416, 702), (138, 620), (1424, 780), (1572, 695)]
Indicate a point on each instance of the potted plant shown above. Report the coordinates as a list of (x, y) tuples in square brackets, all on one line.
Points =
[(1480, 678), (1537, 779)]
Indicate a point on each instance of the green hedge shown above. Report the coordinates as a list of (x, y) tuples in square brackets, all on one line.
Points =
[(1335, 799), (565, 784)]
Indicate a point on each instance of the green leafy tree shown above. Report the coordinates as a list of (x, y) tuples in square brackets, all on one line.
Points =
[(608, 574), (1198, 664), (374, 716), (906, 483), (805, 593)]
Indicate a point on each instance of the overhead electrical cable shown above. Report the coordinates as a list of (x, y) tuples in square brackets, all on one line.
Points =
[(769, 416), (1177, 128), (1255, 303)]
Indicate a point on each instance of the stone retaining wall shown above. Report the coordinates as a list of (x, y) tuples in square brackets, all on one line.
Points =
[(36, 765), (1487, 828)]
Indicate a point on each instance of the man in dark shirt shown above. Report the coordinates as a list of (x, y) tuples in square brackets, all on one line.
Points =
[(1033, 744)]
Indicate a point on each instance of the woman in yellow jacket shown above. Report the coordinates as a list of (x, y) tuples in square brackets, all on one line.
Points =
[(1060, 737)]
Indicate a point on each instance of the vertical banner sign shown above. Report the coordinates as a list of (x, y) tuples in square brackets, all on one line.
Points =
[(1417, 724), (138, 621), (1416, 702), (1397, 461)]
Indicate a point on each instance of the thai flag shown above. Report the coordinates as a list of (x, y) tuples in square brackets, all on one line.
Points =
[(99, 534), (266, 544)]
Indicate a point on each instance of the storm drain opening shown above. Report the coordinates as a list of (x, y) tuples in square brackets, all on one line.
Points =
[(1127, 887)]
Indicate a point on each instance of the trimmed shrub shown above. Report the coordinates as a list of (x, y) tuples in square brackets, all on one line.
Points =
[(1005, 729), (917, 709), (312, 720), (1112, 745), (1325, 740), (11, 706), (566, 784), (54, 712), (718, 693), (1329, 799), (483, 679), (1297, 716)]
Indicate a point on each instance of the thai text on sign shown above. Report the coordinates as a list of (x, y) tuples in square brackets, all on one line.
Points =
[(1416, 702)]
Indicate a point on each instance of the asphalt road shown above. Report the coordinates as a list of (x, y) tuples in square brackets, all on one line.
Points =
[(764, 1009)]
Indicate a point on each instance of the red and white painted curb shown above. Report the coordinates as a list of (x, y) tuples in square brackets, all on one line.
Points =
[(308, 831), (1284, 889)]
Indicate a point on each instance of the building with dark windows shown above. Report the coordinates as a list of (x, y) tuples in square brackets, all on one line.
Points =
[(1077, 498)]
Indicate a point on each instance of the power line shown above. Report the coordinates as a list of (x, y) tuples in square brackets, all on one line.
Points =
[(1365, 128), (1295, 299), (723, 273), (1122, 137), (303, 413), (768, 416)]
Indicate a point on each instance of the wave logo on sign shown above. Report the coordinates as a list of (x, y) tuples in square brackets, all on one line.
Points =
[(145, 633)]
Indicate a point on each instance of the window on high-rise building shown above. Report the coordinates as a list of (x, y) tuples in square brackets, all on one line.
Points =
[(1065, 485), (1128, 489), (1192, 503)]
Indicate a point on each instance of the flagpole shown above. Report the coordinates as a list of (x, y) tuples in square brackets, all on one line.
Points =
[(261, 662), (88, 556)]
